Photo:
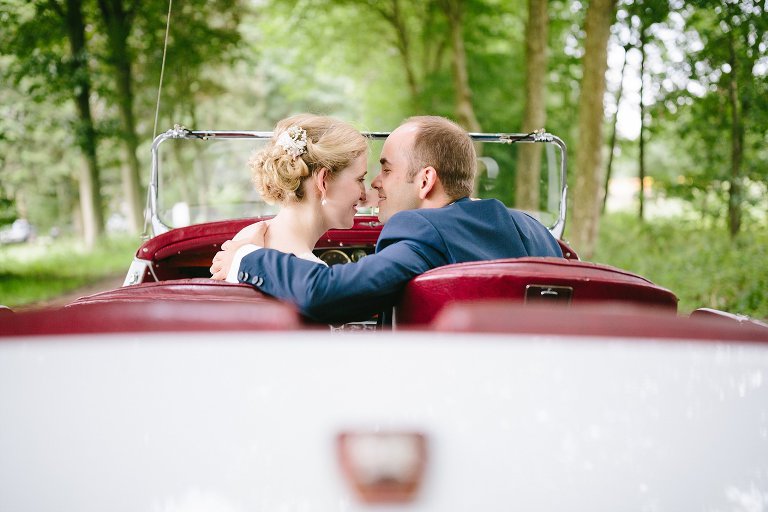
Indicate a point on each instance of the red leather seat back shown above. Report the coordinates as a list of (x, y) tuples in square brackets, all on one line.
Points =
[(508, 279), (592, 320), (193, 289), (153, 316), (183, 305)]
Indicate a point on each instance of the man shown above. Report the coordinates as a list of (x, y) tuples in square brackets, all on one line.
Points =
[(428, 167)]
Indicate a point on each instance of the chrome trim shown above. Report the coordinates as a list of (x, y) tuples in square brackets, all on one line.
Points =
[(180, 132), (559, 226), (539, 136), (136, 271)]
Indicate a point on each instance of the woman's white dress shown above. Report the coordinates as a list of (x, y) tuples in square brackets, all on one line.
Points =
[(311, 257)]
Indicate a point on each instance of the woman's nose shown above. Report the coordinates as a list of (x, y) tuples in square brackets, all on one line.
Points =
[(370, 198)]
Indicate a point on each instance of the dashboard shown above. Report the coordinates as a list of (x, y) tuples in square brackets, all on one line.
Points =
[(341, 255)]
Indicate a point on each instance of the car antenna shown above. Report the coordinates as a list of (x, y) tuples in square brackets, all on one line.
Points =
[(162, 68), (144, 233)]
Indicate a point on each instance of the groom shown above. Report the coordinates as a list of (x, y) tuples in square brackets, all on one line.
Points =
[(428, 167)]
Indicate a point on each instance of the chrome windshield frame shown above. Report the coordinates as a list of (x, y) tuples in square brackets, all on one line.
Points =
[(179, 132)]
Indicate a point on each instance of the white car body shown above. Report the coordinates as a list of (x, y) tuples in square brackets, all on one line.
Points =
[(246, 421)]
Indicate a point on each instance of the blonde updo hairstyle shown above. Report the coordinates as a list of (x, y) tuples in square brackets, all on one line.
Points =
[(331, 143)]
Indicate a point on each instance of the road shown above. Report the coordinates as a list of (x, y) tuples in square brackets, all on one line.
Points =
[(106, 283)]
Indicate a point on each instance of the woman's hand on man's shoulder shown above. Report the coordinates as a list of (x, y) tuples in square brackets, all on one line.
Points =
[(253, 233)]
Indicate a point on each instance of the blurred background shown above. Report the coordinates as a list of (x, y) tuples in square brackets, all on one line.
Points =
[(662, 104)]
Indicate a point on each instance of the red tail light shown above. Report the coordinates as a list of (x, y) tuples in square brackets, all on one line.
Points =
[(383, 467)]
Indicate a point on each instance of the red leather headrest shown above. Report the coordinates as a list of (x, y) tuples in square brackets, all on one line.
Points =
[(428, 293)]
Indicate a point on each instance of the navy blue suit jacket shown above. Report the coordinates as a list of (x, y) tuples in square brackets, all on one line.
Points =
[(411, 242)]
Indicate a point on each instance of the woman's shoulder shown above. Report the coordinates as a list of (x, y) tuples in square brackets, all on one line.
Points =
[(247, 231)]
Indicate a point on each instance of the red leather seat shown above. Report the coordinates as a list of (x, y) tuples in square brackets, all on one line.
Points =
[(523, 280), (183, 305), (193, 289), (157, 316), (592, 320)]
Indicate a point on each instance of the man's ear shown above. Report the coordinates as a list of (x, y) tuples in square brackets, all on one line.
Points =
[(427, 179)]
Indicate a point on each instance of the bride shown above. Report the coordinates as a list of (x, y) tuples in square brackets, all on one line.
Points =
[(314, 167)]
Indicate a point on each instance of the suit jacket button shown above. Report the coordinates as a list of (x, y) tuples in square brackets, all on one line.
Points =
[(242, 276)]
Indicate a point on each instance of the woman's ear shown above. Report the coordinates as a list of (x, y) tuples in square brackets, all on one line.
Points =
[(321, 181)]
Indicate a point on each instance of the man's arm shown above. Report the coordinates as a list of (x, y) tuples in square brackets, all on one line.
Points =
[(353, 291)]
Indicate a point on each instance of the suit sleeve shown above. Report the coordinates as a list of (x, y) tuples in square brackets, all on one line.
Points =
[(408, 246)]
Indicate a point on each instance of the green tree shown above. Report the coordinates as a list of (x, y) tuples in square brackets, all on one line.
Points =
[(734, 40), (535, 116), (117, 17), (454, 11), (115, 67), (589, 171), (49, 40), (716, 109), (199, 34)]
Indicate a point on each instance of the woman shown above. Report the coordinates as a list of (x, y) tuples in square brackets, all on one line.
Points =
[(314, 167)]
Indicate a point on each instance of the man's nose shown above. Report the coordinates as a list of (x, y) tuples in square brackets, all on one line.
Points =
[(376, 183)]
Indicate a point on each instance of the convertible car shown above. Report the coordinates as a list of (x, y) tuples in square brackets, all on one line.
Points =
[(200, 197), (520, 384)]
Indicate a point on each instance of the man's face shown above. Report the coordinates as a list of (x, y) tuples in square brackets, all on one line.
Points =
[(395, 192)]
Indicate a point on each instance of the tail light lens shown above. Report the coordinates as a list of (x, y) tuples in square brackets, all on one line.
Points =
[(383, 467)]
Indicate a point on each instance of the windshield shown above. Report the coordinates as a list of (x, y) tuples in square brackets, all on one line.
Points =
[(201, 178)]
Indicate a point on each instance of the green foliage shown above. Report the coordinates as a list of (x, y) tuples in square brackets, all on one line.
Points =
[(696, 261), (36, 272), (710, 111), (566, 35), (8, 211), (365, 74), (39, 160), (205, 42)]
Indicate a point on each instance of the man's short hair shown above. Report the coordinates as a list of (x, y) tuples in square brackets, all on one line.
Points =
[(446, 146)]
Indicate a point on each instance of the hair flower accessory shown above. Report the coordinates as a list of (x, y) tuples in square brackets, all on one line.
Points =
[(293, 141)]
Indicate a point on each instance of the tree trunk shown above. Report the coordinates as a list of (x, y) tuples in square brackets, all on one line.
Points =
[(465, 113), (535, 115), (612, 144), (737, 144), (66, 201), (90, 183), (589, 171), (641, 166), (118, 23), (394, 17)]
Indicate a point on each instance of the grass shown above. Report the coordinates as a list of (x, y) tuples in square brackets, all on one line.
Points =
[(699, 263), (39, 271)]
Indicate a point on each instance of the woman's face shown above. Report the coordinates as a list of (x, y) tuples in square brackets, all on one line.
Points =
[(345, 191)]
